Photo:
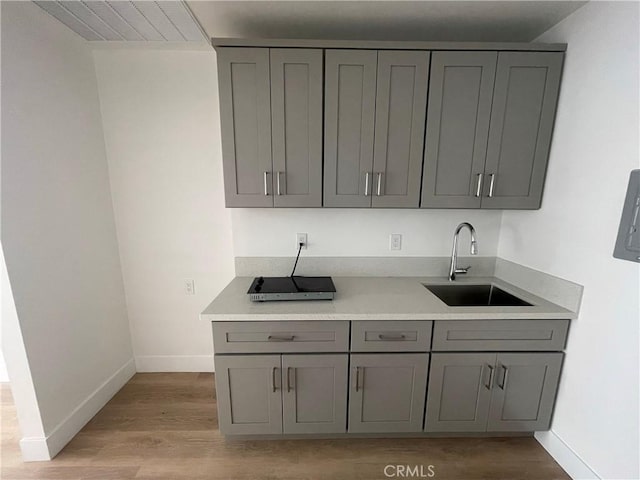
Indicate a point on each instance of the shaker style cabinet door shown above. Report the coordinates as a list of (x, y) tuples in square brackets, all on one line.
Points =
[(245, 122), (387, 392), (459, 392), (460, 95), (522, 117), (314, 393), (349, 118), (296, 126), (401, 103), (248, 389), (524, 391)]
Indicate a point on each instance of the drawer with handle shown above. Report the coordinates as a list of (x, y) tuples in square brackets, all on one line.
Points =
[(506, 335), (391, 336), (281, 337)]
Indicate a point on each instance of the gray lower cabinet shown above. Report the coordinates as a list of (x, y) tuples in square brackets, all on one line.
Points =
[(477, 392), (522, 118), (314, 393), (387, 392), (274, 394), (248, 392), (271, 125)]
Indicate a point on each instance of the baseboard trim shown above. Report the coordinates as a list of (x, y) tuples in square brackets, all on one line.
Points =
[(568, 459), (78, 418), (174, 363)]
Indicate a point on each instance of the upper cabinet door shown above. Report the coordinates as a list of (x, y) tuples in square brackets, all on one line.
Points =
[(460, 97), (245, 118), (296, 113), (401, 101), (350, 96), (524, 106)]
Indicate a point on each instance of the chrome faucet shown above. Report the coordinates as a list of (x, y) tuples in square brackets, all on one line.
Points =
[(453, 268)]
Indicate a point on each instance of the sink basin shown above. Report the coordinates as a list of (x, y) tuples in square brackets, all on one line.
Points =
[(464, 295)]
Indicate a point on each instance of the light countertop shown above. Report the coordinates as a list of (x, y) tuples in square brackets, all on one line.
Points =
[(377, 298)]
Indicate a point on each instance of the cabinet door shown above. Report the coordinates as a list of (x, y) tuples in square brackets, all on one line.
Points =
[(314, 393), (248, 389), (460, 94), (401, 102), (245, 123), (459, 392), (350, 96), (296, 112), (524, 391), (524, 107), (387, 392)]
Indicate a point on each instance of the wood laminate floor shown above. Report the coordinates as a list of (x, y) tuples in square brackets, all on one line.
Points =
[(163, 426)]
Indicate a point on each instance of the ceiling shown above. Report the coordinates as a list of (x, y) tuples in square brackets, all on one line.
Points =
[(489, 21), (119, 20)]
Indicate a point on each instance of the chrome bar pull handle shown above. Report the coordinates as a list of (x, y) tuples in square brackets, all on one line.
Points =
[(278, 192), (504, 377), (379, 184), (358, 378), (492, 183), (266, 183), (273, 378), (281, 338), (289, 388), (491, 372), (386, 336), (479, 185), (366, 184)]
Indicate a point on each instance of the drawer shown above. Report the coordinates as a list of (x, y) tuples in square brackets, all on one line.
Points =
[(499, 335), (280, 337), (391, 336)]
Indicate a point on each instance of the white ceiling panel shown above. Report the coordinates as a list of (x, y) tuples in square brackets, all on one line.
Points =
[(121, 20), (156, 17), (114, 20), (89, 18)]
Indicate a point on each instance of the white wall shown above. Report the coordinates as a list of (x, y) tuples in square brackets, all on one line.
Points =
[(58, 232), (594, 148), (162, 133), (359, 232)]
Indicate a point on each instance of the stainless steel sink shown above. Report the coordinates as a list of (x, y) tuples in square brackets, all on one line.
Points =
[(462, 295)]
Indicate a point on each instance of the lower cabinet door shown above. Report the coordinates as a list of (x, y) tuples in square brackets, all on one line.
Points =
[(314, 393), (249, 394), (524, 391), (459, 392), (387, 392)]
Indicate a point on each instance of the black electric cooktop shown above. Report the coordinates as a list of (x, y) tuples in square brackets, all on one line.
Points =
[(265, 289)]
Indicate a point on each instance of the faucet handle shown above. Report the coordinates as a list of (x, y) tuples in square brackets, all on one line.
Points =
[(463, 269)]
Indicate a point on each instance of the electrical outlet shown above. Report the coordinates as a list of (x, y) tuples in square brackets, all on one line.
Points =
[(395, 241), (189, 287), (301, 238)]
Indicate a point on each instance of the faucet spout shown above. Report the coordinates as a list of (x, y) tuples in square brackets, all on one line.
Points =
[(453, 266)]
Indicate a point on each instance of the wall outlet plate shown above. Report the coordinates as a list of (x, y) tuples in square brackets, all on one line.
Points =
[(189, 286), (395, 241), (301, 238)]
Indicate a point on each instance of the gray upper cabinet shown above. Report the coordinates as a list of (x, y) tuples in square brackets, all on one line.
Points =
[(459, 392), (401, 102), (350, 96), (460, 95), (523, 113), (271, 124), (248, 389), (245, 122), (314, 393), (296, 126), (387, 392), (524, 391)]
